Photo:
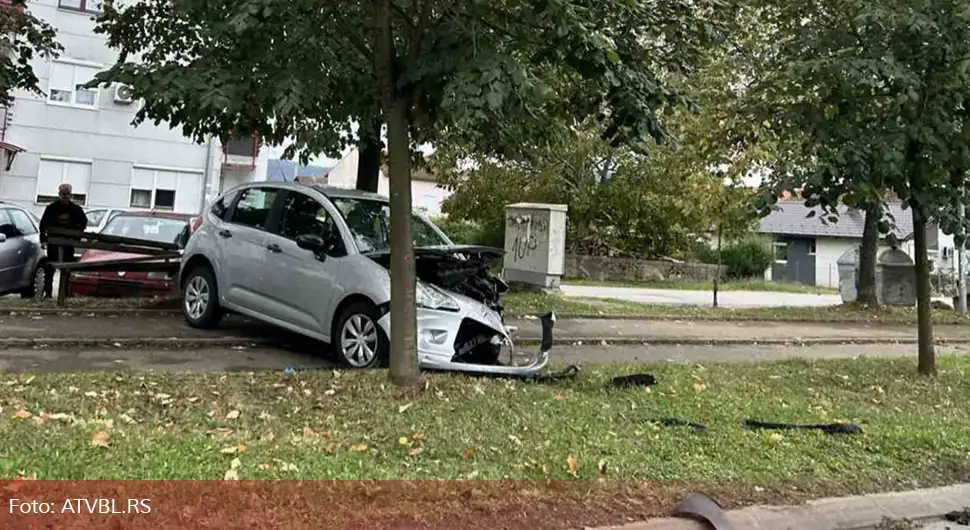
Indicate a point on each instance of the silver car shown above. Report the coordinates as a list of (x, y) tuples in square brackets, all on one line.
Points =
[(22, 257), (314, 260)]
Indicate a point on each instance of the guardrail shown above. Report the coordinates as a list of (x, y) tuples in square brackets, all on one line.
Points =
[(152, 256)]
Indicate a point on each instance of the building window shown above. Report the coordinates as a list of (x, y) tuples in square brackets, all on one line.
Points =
[(811, 247), (154, 189), (781, 252), (54, 172), (64, 81), (88, 6)]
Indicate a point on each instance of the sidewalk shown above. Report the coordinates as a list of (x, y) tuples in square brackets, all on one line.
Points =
[(20, 327), (862, 512)]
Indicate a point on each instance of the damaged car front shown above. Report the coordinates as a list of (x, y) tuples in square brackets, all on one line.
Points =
[(460, 322)]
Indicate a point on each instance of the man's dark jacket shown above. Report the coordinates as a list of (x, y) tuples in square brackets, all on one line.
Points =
[(61, 215)]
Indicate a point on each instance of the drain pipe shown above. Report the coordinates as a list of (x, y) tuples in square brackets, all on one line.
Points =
[(205, 174)]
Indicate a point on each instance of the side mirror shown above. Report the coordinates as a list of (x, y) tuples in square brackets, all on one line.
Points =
[(3, 237), (313, 243)]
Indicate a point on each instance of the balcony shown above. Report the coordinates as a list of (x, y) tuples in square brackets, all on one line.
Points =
[(240, 153)]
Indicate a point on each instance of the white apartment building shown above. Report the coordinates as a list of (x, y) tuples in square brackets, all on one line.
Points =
[(85, 137)]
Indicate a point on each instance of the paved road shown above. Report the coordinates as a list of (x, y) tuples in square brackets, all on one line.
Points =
[(702, 298), (306, 356)]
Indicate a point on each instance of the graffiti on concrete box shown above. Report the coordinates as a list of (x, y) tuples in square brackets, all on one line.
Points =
[(525, 234)]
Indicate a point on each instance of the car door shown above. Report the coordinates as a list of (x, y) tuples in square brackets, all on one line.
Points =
[(243, 247), (302, 286), (13, 253), (29, 242)]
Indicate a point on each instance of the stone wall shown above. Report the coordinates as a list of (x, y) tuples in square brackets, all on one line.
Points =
[(635, 270)]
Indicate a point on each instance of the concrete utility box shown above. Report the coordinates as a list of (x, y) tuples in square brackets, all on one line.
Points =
[(895, 279), (848, 264), (535, 244)]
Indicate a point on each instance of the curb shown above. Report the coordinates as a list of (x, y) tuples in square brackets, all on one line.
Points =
[(249, 342), (840, 513)]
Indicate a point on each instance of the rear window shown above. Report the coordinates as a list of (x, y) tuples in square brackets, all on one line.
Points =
[(159, 229)]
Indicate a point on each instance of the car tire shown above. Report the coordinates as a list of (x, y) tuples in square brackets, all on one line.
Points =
[(36, 282), (359, 319), (200, 299)]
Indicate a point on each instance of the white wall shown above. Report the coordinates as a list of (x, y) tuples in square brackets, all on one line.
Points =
[(828, 250), (100, 135), (426, 196)]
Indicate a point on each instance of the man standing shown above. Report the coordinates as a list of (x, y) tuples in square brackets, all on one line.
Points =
[(62, 213)]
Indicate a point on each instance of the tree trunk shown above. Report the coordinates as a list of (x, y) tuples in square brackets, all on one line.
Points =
[(369, 162), (867, 256), (927, 356), (404, 357)]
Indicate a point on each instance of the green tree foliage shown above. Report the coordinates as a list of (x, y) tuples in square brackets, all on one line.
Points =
[(24, 36), (880, 88), (473, 69), (745, 258)]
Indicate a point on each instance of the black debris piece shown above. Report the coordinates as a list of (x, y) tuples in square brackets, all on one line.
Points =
[(626, 381), (700, 507), (569, 372), (828, 428), (675, 422), (960, 517)]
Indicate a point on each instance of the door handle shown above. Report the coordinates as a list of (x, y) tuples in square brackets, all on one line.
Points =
[(273, 247), (225, 233)]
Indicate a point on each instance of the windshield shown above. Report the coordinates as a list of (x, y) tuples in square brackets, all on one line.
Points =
[(369, 222), (157, 229)]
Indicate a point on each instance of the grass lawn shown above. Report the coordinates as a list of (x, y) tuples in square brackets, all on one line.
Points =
[(535, 303), (728, 285), (351, 425)]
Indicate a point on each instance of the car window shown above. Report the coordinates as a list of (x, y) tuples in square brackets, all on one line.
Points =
[(22, 221), (303, 214), (369, 222), (254, 206), (221, 206), (95, 217), (160, 229), (7, 227)]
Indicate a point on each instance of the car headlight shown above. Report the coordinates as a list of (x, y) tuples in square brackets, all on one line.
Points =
[(430, 297)]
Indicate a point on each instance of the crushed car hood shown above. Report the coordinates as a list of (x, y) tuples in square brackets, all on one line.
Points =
[(463, 269)]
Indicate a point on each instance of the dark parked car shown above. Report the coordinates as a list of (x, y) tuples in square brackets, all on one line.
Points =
[(164, 227), (21, 255)]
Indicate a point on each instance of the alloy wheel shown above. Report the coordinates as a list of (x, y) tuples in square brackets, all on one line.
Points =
[(359, 340), (196, 297), (39, 277)]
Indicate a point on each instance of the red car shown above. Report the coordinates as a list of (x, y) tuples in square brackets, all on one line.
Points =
[(163, 227)]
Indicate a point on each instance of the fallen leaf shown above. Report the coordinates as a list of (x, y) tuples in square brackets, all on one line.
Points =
[(358, 448), (193, 399), (309, 433), (22, 414), (91, 393), (100, 439), (601, 465), (29, 379), (415, 452), (263, 467), (557, 397), (220, 432), (233, 414), (268, 437), (234, 449), (403, 408), (545, 469), (515, 439), (571, 462), (473, 474), (777, 437), (699, 387), (402, 440), (469, 453), (418, 436)]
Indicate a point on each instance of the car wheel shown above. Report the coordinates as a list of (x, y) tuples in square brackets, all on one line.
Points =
[(200, 299), (358, 341), (36, 286)]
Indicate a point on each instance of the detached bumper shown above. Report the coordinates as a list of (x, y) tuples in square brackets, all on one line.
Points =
[(441, 332), (86, 285)]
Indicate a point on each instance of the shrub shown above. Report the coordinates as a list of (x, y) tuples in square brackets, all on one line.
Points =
[(464, 232), (746, 258)]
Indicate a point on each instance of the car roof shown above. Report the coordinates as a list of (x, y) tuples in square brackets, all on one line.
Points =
[(162, 215), (329, 191)]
